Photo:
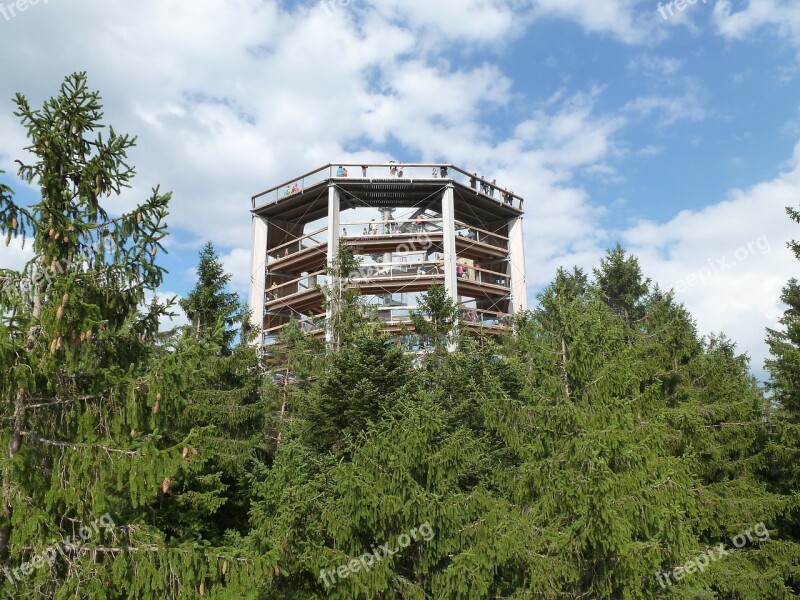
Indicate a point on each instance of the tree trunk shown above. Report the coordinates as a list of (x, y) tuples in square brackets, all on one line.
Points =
[(564, 367), (14, 445)]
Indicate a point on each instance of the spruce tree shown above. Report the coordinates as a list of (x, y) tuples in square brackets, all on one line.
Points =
[(208, 305), (620, 283), (437, 319), (91, 391), (782, 471), (349, 317), (586, 456), (227, 407)]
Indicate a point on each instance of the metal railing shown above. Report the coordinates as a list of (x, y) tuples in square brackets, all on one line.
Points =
[(390, 170), (305, 242), (295, 287), (488, 318), (391, 227)]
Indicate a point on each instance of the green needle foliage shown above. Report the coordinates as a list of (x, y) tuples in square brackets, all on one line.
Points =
[(587, 454), (92, 397), (782, 470), (208, 303)]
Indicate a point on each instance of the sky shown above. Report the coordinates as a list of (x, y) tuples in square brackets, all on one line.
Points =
[(671, 128)]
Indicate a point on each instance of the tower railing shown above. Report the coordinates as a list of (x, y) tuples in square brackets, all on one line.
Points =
[(486, 187)]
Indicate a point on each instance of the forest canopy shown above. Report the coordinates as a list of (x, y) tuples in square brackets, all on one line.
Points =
[(600, 449)]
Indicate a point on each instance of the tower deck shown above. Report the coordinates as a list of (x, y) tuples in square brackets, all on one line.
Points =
[(411, 226)]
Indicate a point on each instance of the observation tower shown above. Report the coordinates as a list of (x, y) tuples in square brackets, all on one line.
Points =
[(411, 225)]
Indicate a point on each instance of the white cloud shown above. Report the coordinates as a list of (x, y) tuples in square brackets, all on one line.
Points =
[(783, 15), (668, 109), (231, 97), (729, 261), (14, 256), (616, 17), (656, 66)]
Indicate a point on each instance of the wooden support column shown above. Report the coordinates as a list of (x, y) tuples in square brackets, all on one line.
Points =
[(258, 276), (519, 287), (334, 206)]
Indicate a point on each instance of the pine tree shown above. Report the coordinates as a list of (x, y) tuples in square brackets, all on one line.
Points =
[(782, 471), (437, 320), (374, 454), (227, 409), (208, 305), (348, 316), (578, 459), (620, 282), (91, 391)]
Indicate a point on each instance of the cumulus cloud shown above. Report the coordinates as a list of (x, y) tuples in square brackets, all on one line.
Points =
[(231, 97), (666, 109), (782, 15), (728, 261)]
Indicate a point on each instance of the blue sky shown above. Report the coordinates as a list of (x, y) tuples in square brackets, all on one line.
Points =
[(677, 137)]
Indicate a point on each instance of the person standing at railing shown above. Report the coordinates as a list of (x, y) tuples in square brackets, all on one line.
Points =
[(420, 226), (434, 173), (340, 172), (473, 181), (363, 170), (443, 171), (492, 187)]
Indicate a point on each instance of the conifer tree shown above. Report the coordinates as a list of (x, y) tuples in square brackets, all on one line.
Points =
[(437, 320), (348, 316), (227, 407), (621, 284), (208, 304), (782, 471), (582, 458), (784, 345), (91, 392)]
